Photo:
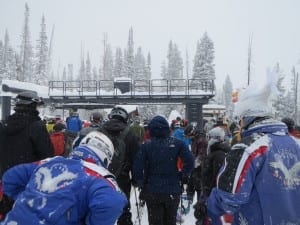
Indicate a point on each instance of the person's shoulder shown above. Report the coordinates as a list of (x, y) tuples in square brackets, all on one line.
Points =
[(176, 141), (38, 124)]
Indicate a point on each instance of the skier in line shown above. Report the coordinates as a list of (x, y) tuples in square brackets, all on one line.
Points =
[(115, 126), (62, 191), (259, 182), (96, 122), (23, 139), (216, 152), (199, 150), (155, 172), (74, 123)]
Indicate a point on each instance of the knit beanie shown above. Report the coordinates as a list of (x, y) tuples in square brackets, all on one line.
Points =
[(159, 127)]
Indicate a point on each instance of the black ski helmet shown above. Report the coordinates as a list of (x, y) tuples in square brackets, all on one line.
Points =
[(289, 123), (119, 113), (28, 98)]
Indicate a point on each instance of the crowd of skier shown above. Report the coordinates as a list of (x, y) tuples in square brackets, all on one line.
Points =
[(243, 171)]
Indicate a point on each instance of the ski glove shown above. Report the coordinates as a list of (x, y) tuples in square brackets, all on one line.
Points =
[(142, 195), (6, 205), (200, 210)]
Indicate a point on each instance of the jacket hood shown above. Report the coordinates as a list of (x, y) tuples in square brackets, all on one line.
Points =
[(268, 125), (159, 127), (114, 126)]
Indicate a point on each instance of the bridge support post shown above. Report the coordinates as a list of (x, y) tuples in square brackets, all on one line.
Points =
[(194, 114), (6, 107)]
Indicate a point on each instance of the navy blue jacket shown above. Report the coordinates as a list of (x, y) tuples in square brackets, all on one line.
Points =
[(155, 166)]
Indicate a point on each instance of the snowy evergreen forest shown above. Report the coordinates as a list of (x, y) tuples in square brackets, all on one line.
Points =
[(31, 61)]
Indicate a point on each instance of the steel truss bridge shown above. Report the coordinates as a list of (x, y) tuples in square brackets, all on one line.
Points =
[(95, 94), (92, 94)]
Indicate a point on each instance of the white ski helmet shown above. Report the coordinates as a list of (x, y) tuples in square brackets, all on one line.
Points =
[(100, 144), (217, 134)]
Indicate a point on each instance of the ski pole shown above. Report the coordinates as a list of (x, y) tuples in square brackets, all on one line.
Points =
[(181, 203), (137, 206)]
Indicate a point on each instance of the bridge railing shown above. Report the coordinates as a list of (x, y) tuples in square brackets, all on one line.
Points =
[(154, 87)]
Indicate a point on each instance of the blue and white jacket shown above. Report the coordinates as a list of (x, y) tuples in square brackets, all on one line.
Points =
[(259, 183), (62, 191)]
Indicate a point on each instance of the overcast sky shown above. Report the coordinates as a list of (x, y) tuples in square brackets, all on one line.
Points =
[(273, 25)]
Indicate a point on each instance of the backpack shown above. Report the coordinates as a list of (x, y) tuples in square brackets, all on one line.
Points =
[(58, 142), (118, 161), (138, 130)]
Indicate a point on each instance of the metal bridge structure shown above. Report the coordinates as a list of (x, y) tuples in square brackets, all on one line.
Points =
[(92, 94), (95, 94)]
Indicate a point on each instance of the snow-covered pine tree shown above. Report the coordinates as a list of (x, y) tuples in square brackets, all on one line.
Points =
[(148, 73), (175, 62), (57, 75), (1, 60), (203, 60), (50, 51), (41, 57), (227, 92), (163, 70), (11, 64), (26, 53), (289, 110), (118, 66), (129, 56), (8, 62), (175, 68), (139, 65), (169, 66), (198, 67), (279, 103), (100, 73), (107, 64), (88, 68), (6, 47), (178, 63), (4, 56), (82, 67), (95, 74), (147, 111), (64, 74), (187, 65), (70, 75), (88, 74), (295, 92)]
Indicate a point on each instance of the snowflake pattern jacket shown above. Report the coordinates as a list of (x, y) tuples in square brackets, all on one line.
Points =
[(60, 191)]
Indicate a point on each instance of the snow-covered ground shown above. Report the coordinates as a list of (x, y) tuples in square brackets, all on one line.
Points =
[(189, 219)]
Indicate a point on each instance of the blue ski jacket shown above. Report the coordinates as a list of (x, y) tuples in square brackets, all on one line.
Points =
[(179, 134), (62, 191), (260, 180), (74, 124)]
